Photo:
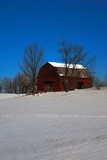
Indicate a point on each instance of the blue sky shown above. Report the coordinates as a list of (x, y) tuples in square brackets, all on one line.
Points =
[(82, 22)]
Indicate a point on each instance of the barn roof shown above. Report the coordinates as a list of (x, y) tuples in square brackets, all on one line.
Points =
[(73, 70), (56, 64)]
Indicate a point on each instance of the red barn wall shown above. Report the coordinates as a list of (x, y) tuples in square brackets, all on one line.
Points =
[(87, 82), (48, 74)]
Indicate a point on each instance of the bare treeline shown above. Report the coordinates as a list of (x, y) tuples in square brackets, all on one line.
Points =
[(98, 83), (18, 84)]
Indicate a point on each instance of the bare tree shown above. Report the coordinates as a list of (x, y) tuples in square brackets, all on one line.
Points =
[(0, 85), (32, 61), (7, 85), (73, 54), (20, 84), (105, 80), (98, 83)]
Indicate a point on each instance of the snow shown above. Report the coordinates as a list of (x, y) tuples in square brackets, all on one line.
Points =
[(54, 126), (56, 64), (6, 95)]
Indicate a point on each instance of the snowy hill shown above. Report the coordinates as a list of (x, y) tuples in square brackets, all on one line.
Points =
[(54, 126)]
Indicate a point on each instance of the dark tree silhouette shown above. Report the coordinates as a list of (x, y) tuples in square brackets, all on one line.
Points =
[(32, 61)]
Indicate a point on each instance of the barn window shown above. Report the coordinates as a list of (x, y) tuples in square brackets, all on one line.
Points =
[(49, 86)]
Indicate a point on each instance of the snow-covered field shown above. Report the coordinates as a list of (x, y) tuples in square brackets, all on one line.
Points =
[(54, 126)]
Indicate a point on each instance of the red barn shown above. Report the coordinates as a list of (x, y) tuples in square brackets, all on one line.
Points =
[(51, 77)]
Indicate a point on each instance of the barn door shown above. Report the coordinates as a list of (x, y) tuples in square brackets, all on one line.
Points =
[(80, 85), (49, 86)]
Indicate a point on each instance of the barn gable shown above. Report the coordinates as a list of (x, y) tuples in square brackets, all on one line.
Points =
[(51, 77), (73, 70)]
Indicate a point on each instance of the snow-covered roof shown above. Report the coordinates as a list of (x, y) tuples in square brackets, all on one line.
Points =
[(56, 64)]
